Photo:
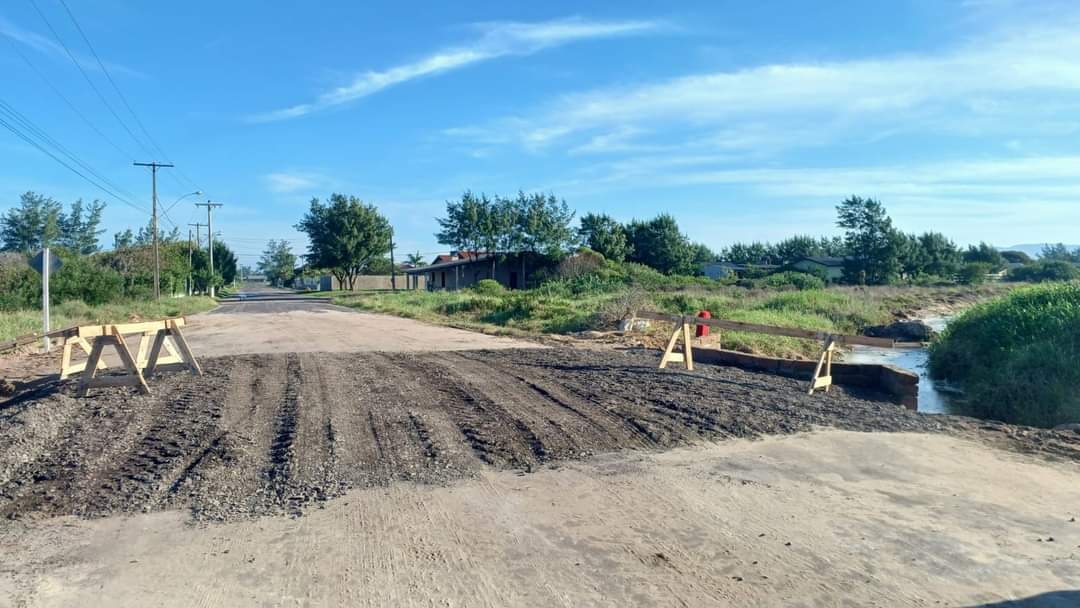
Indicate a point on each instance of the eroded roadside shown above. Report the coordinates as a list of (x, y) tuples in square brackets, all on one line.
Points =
[(269, 434)]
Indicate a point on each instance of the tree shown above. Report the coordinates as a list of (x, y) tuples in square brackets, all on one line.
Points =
[(752, 253), (34, 224), (344, 236), (986, 254), (1060, 252), (415, 259), (1016, 257), (468, 225), (277, 262), (145, 235), (604, 235), (700, 255), (79, 230), (659, 243), (930, 253), (873, 245), (793, 249), (543, 224), (123, 240)]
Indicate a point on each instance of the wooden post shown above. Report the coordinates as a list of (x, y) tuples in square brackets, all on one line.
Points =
[(824, 362), (687, 356), (688, 350), (66, 367)]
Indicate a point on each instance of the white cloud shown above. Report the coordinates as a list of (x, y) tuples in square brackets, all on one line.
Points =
[(47, 46), (496, 39), (985, 82), (291, 182)]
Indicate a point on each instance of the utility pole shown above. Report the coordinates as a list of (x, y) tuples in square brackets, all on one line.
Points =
[(189, 252), (393, 271), (190, 265), (154, 166), (198, 234), (210, 238)]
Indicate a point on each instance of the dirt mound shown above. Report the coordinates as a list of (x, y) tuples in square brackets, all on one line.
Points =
[(264, 434)]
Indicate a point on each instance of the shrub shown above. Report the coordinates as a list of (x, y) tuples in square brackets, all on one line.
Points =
[(488, 287), (585, 261), (797, 280), (974, 273), (20, 286), (1048, 270), (1018, 357), (83, 278)]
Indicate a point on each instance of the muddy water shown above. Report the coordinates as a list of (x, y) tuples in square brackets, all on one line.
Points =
[(935, 397)]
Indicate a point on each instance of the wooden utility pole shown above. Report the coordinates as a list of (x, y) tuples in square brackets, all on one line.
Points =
[(210, 238), (393, 270), (190, 265), (154, 166), (198, 234)]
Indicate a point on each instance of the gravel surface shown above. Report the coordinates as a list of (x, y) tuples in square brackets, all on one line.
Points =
[(272, 434)]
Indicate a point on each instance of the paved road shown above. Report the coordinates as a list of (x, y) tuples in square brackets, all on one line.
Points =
[(269, 320)]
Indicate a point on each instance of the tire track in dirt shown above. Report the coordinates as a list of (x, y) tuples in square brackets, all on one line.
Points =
[(494, 435), (446, 451), (620, 430), (268, 434), (97, 435), (280, 475), (557, 433)]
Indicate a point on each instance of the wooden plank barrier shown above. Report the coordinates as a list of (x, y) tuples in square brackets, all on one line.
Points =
[(136, 367), (822, 377)]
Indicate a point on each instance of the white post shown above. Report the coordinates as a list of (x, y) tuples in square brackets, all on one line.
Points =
[(45, 296)]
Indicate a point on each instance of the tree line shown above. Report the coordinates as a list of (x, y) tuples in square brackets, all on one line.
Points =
[(348, 237), (88, 273)]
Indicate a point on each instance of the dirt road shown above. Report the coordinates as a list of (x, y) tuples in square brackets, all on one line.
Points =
[(269, 434), (823, 519), (302, 326), (522, 476)]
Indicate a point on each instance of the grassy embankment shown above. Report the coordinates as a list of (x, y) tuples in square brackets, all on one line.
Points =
[(21, 322), (567, 306), (1018, 357)]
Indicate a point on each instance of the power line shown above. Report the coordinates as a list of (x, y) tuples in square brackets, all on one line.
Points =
[(67, 101), (41, 135), (119, 94), (30, 141), (88, 79)]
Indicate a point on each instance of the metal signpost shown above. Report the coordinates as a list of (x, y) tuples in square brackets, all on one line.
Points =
[(45, 264)]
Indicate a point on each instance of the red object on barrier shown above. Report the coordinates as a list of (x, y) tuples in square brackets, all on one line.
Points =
[(703, 330)]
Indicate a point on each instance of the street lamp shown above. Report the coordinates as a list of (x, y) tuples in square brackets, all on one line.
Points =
[(196, 193)]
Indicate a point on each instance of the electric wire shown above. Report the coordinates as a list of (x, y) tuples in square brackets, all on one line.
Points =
[(67, 101), (89, 81), (37, 145), (41, 135), (119, 94)]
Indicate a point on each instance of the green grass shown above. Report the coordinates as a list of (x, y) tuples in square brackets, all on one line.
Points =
[(21, 322), (568, 306), (1018, 357)]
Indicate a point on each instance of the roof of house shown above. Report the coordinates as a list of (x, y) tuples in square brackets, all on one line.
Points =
[(449, 262), (734, 266), (824, 260)]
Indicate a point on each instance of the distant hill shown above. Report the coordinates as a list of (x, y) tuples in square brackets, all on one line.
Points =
[(1033, 249)]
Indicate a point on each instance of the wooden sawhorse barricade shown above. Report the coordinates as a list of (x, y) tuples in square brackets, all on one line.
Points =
[(822, 377), (137, 367)]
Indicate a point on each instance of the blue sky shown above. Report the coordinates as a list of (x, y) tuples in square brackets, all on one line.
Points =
[(744, 120)]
